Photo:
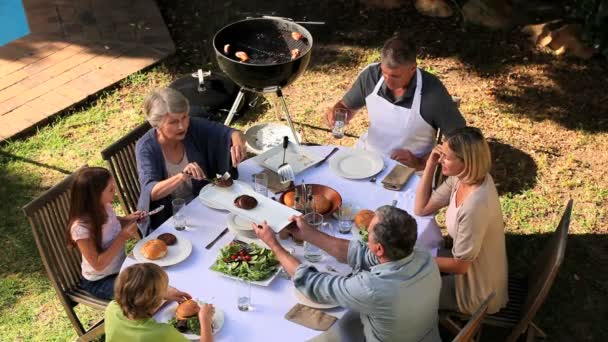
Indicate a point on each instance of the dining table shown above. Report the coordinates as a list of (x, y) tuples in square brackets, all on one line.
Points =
[(265, 321)]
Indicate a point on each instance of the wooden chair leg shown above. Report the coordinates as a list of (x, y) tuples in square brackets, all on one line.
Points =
[(538, 331), (448, 323), (74, 319), (96, 330), (534, 332)]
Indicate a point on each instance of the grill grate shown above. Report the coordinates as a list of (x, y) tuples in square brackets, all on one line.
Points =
[(270, 47)]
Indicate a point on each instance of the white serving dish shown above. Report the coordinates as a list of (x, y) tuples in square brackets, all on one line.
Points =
[(276, 214), (298, 158)]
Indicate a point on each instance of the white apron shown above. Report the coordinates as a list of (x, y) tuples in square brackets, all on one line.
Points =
[(394, 127)]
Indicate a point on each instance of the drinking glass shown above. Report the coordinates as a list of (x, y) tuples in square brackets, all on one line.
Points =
[(179, 219), (345, 218), (340, 115), (260, 184), (313, 253), (243, 295)]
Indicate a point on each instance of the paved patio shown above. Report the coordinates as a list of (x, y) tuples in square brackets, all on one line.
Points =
[(76, 48)]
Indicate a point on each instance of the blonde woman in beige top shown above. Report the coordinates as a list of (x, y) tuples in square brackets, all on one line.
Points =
[(477, 264)]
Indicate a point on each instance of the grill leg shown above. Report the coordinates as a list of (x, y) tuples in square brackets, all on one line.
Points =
[(284, 105), (235, 106)]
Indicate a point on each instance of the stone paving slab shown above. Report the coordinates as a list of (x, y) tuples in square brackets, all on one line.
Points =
[(76, 48)]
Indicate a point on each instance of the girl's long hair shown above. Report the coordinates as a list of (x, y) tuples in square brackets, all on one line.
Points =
[(85, 203)]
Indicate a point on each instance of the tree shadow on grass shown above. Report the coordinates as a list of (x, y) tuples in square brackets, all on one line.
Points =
[(570, 92), (513, 170)]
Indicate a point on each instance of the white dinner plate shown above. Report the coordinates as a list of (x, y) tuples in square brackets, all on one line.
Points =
[(302, 299), (240, 223), (242, 228), (356, 164), (237, 187), (169, 312), (176, 253)]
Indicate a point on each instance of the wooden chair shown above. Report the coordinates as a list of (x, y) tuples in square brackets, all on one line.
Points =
[(120, 157), (48, 216), (470, 329), (526, 295)]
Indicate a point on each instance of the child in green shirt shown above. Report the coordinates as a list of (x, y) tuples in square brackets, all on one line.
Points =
[(139, 292)]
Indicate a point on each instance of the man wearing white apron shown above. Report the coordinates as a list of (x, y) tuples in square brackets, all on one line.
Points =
[(406, 105)]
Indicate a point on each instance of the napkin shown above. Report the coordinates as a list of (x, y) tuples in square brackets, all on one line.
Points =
[(397, 178), (310, 318), (274, 182)]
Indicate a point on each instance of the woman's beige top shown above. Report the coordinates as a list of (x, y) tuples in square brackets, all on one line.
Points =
[(479, 237)]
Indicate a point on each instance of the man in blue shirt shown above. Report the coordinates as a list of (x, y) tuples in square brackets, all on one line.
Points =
[(394, 288)]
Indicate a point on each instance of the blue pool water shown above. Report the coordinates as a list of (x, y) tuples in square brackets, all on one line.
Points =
[(13, 23)]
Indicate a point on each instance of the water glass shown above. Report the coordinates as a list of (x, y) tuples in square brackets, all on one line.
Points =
[(345, 218), (313, 253), (260, 184), (340, 115), (179, 219), (243, 295)]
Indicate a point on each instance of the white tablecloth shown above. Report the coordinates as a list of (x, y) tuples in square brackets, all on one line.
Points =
[(266, 321)]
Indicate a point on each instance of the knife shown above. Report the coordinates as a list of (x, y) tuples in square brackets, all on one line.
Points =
[(327, 156), (222, 233)]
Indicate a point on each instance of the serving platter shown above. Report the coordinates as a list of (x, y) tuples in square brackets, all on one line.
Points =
[(265, 282), (298, 158), (276, 214), (237, 186)]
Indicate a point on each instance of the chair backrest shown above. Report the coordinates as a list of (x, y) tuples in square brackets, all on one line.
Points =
[(48, 215), (120, 157), (467, 333), (545, 269)]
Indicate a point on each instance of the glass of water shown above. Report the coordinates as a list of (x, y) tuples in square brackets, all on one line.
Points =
[(313, 253), (179, 219), (345, 218), (260, 184), (340, 115), (243, 295)]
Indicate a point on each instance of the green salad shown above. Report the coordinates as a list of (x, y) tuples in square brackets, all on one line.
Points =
[(246, 261), (363, 232), (191, 325), (129, 245)]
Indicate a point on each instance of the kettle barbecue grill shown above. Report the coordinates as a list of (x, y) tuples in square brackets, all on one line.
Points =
[(270, 68)]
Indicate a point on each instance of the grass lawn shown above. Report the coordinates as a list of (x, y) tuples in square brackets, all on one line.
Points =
[(546, 119)]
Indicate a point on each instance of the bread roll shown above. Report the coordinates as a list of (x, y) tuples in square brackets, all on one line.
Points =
[(289, 198), (187, 309), (154, 249), (363, 218)]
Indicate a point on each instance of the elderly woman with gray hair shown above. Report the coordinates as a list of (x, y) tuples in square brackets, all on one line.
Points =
[(178, 155)]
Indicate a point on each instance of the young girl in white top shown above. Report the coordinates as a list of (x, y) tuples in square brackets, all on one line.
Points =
[(96, 230)]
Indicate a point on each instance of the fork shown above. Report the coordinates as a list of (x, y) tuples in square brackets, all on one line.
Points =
[(373, 179)]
